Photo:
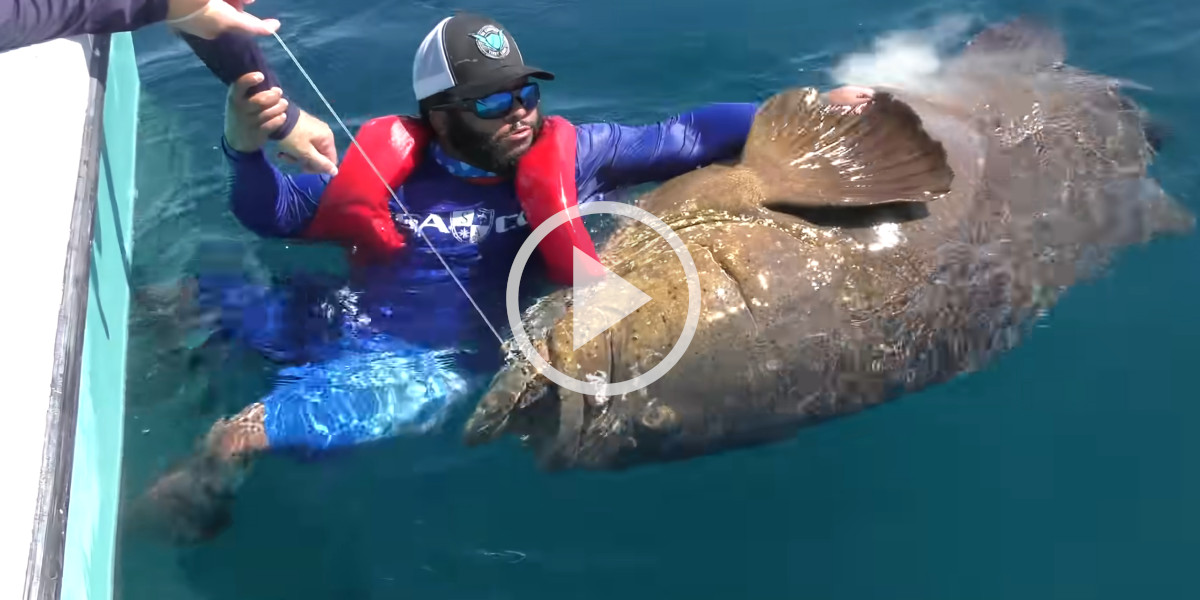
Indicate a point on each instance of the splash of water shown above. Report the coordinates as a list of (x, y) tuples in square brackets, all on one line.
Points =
[(909, 58)]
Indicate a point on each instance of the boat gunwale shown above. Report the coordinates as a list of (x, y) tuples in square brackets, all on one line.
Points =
[(44, 572)]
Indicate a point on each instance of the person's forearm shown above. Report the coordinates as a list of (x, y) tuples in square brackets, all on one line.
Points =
[(229, 56), (27, 22), (624, 155), (267, 201), (232, 55)]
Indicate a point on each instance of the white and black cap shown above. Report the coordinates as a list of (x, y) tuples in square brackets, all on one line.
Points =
[(468, 55)]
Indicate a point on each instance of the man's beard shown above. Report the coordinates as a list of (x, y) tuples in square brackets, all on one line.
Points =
[(478, 148)]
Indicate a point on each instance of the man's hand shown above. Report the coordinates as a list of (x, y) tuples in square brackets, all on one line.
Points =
[(250, 121), (854, 98), (207, 19), (310, 146)]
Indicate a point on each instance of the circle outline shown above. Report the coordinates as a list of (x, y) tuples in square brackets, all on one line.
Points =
[(487, 50), (511, 299)]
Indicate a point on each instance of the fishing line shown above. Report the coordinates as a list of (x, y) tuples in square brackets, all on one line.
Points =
[(386, 184)]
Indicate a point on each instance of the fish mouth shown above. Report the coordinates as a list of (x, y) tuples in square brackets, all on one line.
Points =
[(521, 403)]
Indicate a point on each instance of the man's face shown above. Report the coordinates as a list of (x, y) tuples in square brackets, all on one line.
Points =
[(495, 144)]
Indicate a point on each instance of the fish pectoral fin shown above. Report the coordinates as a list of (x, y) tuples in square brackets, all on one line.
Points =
[(810, 154)]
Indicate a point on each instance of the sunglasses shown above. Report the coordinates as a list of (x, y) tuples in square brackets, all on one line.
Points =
[(494, 106)]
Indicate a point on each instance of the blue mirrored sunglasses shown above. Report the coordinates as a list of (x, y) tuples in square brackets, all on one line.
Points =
[(494, 106)]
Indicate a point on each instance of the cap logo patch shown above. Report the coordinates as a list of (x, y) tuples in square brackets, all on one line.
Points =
[(491, 42)]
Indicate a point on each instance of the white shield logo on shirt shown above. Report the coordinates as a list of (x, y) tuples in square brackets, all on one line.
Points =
[(471, 226)]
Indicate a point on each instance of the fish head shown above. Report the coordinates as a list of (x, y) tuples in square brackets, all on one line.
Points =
[(520, 401), (523, 403), (514, 391)]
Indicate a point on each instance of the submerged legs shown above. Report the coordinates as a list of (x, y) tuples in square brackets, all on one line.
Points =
[(362, 396)]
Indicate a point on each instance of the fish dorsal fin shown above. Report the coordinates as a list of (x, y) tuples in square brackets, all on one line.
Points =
[(809, 154)]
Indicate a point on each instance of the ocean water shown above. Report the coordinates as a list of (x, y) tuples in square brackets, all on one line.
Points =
[(1068, 469)]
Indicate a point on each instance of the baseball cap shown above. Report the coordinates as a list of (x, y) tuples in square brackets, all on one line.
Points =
[(468, 55)]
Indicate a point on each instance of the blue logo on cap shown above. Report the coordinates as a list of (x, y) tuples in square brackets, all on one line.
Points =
[(491, 42)]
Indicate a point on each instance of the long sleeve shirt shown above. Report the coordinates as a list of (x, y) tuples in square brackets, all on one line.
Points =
[(229, 56), (476, 228)]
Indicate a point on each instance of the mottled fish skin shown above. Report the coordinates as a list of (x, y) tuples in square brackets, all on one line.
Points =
[(813, 313)]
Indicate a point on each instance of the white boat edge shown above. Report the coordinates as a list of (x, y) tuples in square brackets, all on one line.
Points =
[(70, 118)]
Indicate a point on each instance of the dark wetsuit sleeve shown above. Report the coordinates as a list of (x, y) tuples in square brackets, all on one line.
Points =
[(267, 201), (617, 156), (28, 22), (231, 55)]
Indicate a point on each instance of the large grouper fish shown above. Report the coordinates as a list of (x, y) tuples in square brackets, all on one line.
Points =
[(847, 260)]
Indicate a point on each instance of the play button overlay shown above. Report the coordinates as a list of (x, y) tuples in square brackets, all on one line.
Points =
[(599, 302), (601, 299)]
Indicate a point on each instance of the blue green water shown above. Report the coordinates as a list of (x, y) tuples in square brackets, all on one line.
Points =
[(1069, 469)]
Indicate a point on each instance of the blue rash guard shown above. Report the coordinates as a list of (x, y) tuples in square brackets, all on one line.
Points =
[(409, 309), (476, 228)]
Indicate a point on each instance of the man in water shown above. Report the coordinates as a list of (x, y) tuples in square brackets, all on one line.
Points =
[(487, 177)]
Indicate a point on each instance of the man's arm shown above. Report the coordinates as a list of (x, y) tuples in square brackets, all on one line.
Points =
[(268, 202), (304, 139), (28, 22), (616, 156), (265, 200), (231, 55)]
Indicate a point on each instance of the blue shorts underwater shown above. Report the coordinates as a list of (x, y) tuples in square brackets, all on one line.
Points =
[(387, 389), (342, 381)]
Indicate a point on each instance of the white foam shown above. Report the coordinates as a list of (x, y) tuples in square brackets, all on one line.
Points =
[(907, 58)]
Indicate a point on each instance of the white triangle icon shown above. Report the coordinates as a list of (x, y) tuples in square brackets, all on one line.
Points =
[(599, 302)]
